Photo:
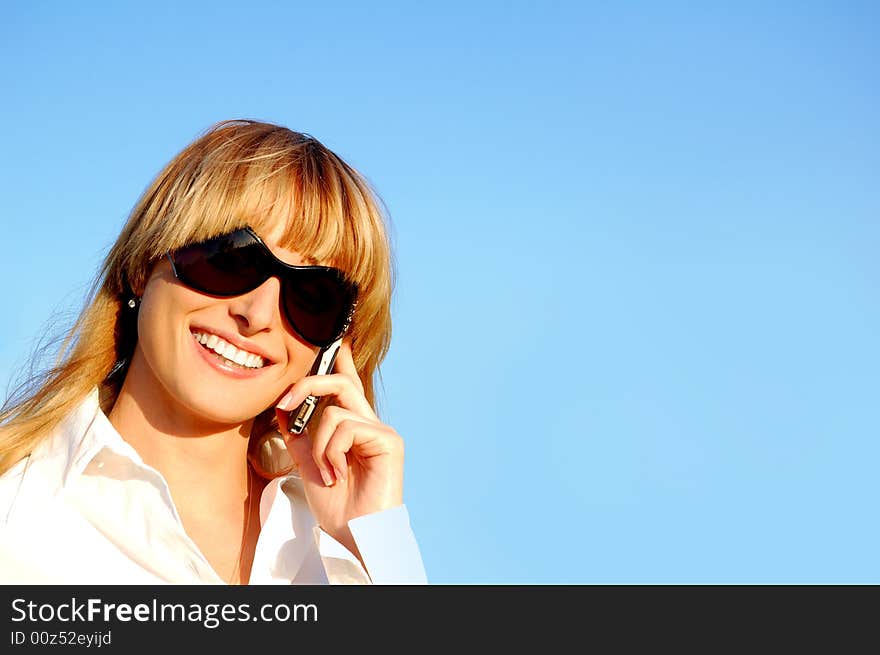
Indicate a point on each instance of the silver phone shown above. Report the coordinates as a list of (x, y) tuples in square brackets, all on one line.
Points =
[(323, 365)]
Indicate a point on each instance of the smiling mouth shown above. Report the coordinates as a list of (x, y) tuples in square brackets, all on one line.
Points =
[(228, 353)]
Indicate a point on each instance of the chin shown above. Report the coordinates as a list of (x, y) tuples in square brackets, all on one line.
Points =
[(226, 409)]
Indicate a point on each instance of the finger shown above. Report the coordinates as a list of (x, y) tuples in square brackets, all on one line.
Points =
[(345, 364), (332, 417), (339, 444), (354, 437), (344, 435), (338, 385), (283, 420)]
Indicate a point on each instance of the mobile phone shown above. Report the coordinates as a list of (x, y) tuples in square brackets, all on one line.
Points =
[(323, 365)]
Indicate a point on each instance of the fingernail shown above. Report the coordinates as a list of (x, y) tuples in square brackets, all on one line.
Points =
[(339, 474), (326, 477), (288, 402)]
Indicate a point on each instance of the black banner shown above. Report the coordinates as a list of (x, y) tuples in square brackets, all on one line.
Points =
[(140, 619)]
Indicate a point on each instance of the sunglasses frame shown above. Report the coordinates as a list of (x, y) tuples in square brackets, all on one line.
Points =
[(272, 266)]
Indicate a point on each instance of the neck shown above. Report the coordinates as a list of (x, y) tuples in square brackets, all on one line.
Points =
[(204, 461), (220, 454), (178, 443)]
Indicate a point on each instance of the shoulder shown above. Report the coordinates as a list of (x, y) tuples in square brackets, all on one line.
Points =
[(41, 474), (10, 483), (26, 486)]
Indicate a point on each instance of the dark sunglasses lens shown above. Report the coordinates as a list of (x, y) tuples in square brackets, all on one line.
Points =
[(317, 303), (228, 265)]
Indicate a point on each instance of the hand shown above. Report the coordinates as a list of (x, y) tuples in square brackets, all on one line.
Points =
[(351, 463)]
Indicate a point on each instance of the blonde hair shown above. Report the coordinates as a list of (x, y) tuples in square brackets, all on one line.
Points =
[(238, 173)]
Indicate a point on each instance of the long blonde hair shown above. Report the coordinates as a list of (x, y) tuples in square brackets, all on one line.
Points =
[(238, 173)]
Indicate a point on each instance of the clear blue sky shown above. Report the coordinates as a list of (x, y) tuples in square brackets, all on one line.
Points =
[(636, 320)]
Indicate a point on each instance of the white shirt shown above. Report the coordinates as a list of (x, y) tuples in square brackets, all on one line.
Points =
[(84, 508)]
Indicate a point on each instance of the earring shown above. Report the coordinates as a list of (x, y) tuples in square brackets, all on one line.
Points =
[(133, 302)]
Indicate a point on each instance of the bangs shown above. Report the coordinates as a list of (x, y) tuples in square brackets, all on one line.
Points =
[(330, 215), (264, 180)]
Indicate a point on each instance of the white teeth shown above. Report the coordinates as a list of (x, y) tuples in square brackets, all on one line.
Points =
[(228, 351)]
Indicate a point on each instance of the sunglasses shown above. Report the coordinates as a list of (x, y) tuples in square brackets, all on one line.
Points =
[(317, 300)]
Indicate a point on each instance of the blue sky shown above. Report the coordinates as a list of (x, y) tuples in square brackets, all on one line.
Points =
[(636, 315)]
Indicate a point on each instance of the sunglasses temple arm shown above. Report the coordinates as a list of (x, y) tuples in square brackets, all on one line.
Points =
[(323, 365)]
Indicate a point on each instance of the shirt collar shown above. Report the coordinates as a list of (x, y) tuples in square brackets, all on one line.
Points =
[(87, 431), (79, 438), (85, 435)]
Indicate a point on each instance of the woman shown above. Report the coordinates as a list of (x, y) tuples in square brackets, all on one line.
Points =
[(152, 452)]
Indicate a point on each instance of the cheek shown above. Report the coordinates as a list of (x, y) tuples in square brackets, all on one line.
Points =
[(301, 357), (162, 306), (158, 339), (162, 321)]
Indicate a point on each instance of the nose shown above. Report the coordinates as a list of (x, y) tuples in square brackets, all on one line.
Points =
[(259, 309)]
